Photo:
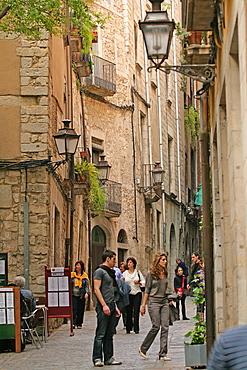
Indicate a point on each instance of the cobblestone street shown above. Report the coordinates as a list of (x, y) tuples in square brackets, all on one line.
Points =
[(64, 352)]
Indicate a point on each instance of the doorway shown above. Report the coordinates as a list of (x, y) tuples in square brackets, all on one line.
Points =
[(98, 246)]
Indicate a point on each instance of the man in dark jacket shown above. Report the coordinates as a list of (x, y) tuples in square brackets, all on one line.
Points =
[(195, 259), (181, 264)]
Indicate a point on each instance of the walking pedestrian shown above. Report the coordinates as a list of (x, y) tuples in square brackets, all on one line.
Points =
[(80, 293), (122, 267), (180, 284), (135, 279), (158, 306), (106, 291)]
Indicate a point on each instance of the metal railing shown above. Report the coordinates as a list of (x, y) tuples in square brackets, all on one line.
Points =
[(103, 74), (113, 193)]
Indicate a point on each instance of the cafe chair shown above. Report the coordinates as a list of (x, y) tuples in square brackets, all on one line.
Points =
[(30, 324)]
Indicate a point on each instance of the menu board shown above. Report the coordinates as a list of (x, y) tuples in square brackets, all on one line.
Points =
[(3, 269), (10, 321), (58, 292)]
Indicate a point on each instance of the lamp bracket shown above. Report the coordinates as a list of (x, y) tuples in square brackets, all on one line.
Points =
[(52, 166), (200, 72), (146, 189)]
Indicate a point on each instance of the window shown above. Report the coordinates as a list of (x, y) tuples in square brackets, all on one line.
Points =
[(122, 237)]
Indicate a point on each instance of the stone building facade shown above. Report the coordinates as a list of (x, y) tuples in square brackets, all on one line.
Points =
[(132, 117)]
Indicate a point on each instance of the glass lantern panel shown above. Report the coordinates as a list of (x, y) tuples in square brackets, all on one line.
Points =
[(157, 39)]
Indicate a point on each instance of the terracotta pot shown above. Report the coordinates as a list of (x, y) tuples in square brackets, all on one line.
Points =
[(198, 37), (191, 38)]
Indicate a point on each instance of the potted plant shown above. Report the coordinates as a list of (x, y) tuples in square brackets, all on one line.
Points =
[(87, 172), (195, 350)]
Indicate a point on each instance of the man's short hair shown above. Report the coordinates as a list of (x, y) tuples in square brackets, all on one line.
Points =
[(107, 253), (196, 254), (20, 281)]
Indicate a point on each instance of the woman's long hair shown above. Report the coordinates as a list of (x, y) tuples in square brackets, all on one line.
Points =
[(156, 269)]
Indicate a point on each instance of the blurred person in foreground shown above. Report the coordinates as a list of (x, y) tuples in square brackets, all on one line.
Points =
[(230, 350)]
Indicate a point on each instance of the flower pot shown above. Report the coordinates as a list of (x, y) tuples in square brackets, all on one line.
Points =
[(198, 37), (195, 355), (81, 177), (191, 38)]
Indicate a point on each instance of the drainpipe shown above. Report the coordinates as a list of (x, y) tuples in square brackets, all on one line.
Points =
[(134, 165), (163, 205), (177, 122), (26, 236), (147, 98)]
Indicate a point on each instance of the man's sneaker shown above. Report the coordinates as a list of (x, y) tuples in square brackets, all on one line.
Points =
[(112, 361), (98, 363)]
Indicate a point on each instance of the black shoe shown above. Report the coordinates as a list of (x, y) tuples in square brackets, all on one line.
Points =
[(136, 332), (185, 318)]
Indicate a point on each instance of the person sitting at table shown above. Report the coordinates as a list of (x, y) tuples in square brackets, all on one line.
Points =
[(27, 294)]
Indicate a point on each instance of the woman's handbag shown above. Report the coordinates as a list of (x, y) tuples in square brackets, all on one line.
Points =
[(141, 287), (180, 291), (76, 291)]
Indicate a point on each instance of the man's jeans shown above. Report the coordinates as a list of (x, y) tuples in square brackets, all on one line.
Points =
[(104, 333)]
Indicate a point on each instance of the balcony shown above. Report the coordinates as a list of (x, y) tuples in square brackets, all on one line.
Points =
[(102, 81), (113, 205), (198, 14), (198, 48), (82, 63)]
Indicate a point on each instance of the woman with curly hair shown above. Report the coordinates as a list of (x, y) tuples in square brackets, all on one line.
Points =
[(158, 306)]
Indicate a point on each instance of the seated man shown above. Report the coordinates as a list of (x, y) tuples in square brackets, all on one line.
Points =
[(27, 294), (28, 304)]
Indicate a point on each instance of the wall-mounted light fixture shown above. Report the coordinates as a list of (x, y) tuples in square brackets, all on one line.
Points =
[(157, 32), (157, 174), (104, 169), (66, 139)]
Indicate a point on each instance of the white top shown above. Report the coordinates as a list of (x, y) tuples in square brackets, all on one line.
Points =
[(129, 278)]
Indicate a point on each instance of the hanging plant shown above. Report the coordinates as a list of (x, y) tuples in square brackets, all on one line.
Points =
[(96, 195), (191, 124)]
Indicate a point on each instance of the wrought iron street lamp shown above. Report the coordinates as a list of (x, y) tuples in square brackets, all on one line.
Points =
[(103, 168), (157, 174), (157, 32), (66, 139)]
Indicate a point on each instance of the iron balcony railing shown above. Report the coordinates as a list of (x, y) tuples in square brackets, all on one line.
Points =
[(103, 78), (113, 193)]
